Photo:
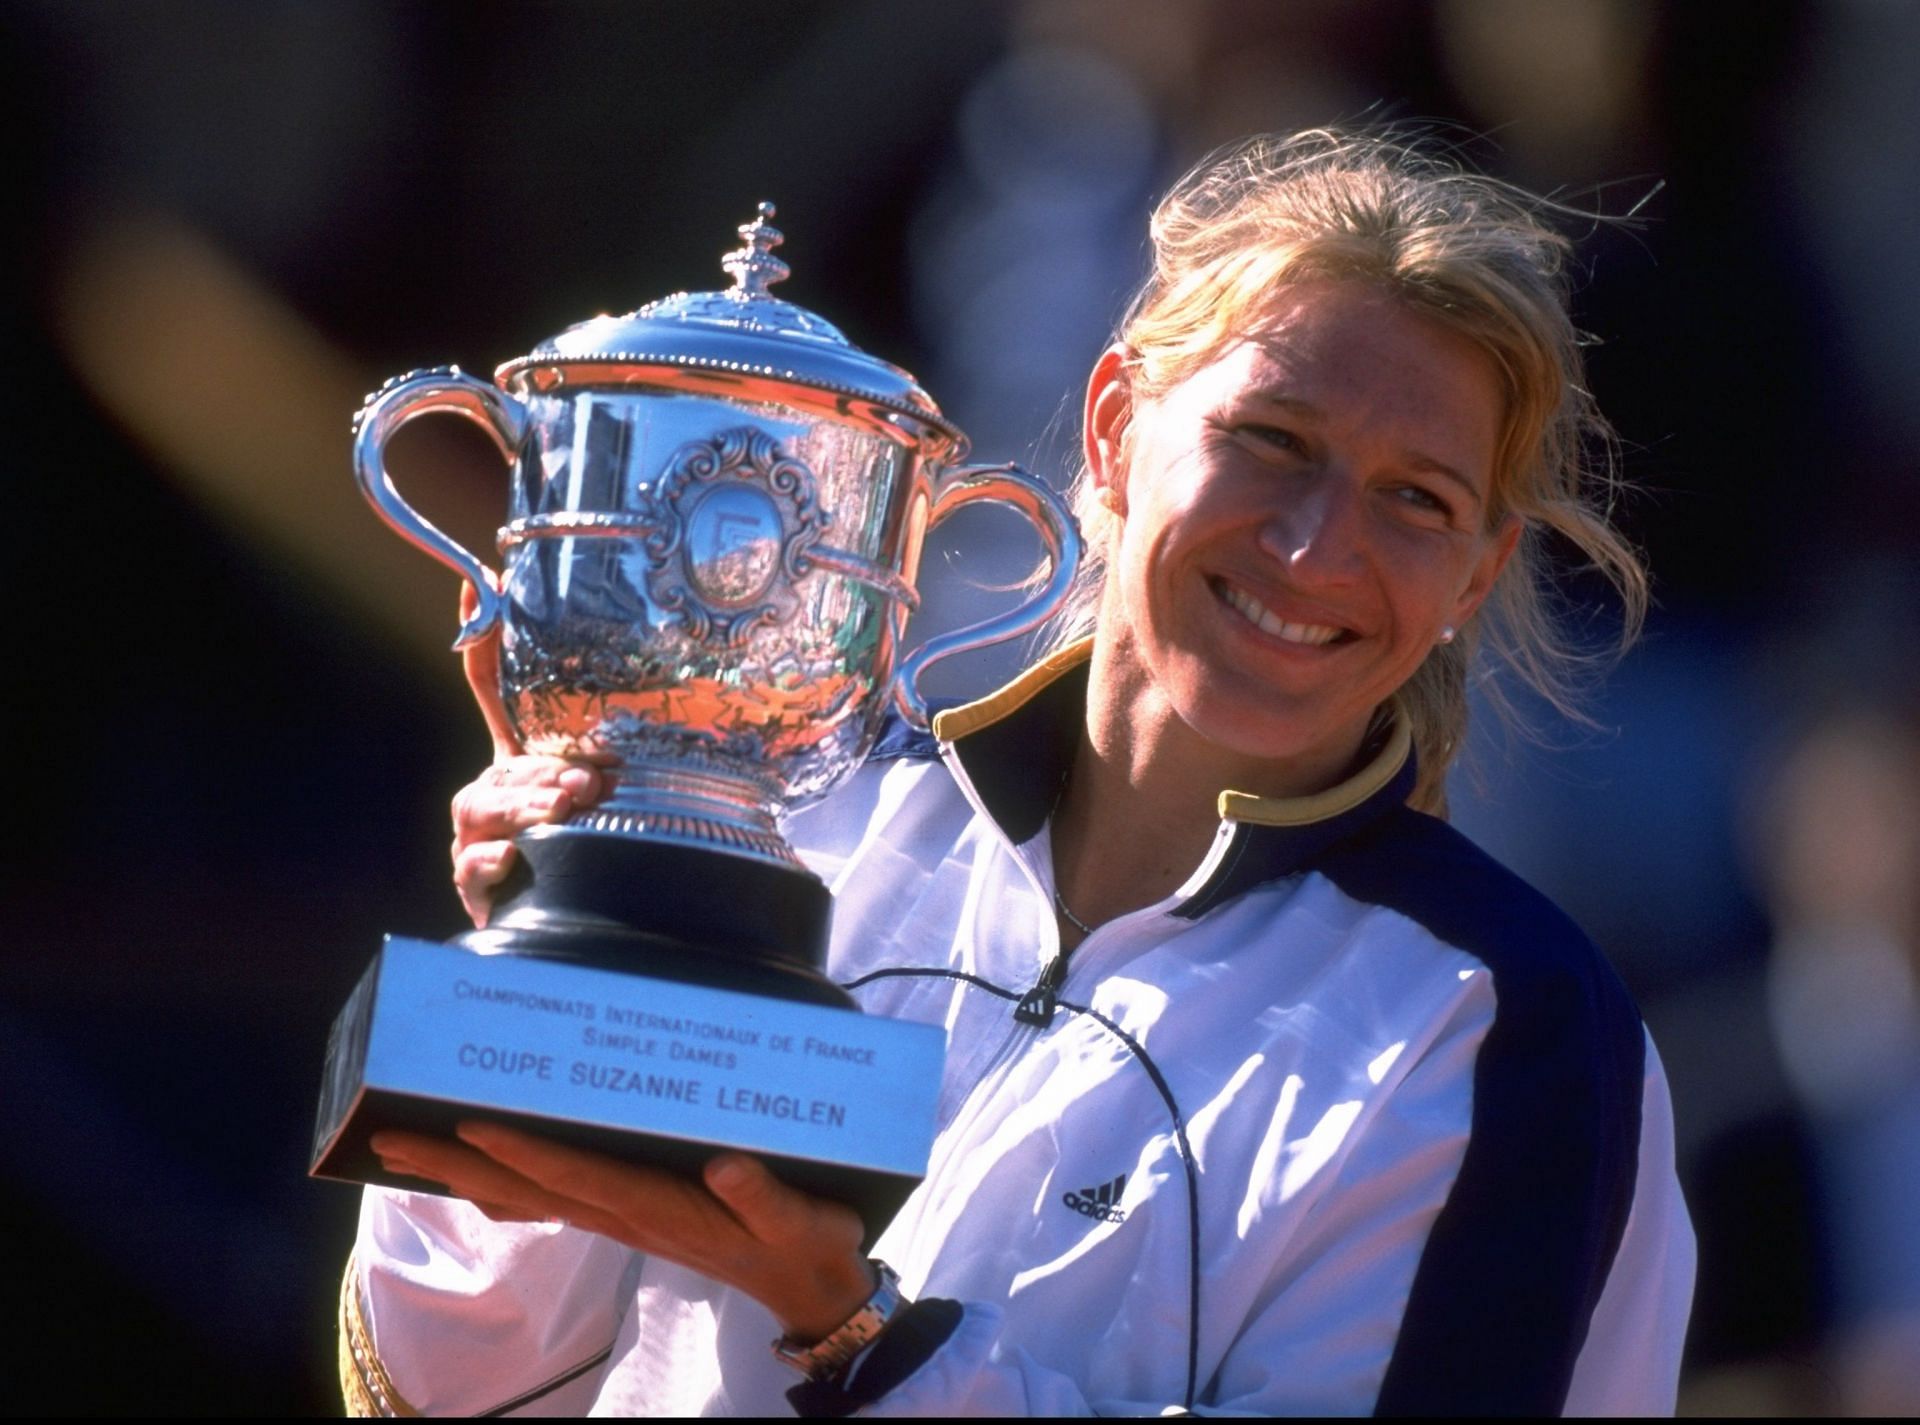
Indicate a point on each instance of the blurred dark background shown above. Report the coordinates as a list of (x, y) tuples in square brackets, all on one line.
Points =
[(235, 725)]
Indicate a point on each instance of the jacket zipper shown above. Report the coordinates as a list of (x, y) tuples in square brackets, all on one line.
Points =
[(1040, 1003)]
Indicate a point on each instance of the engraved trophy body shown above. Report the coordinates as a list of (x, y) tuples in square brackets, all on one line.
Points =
[(716, 517)]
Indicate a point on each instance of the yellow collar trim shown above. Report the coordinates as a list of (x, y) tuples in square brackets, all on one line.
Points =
[(956, 723), (1299, 811), (364, 1384)]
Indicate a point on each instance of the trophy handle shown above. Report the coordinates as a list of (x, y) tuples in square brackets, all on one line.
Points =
[(1048, 514), (419, 393)]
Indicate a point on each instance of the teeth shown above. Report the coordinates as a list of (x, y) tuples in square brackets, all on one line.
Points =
[(1267, 621)]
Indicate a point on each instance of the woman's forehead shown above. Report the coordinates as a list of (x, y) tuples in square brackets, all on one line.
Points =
[(1344, 341), (1328, 320), (1345, 355)]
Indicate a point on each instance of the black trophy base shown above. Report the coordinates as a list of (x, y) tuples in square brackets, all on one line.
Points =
[(664, 911), (713, 1029)]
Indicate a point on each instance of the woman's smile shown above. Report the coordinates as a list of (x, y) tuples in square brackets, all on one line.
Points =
[(1313, 635)]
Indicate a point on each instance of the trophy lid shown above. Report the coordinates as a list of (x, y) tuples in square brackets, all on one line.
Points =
[(742, 337)]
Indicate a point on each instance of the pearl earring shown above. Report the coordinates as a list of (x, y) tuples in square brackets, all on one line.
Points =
[(1447, 633)]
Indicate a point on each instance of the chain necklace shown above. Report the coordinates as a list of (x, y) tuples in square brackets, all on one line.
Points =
[(1059, 901), (1075, 921)]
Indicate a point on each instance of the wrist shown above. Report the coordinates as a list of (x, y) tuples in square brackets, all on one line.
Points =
[(835, 1296), (825, 1354)]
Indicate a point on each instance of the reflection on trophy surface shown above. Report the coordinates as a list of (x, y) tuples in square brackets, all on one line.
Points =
[(716, 516)]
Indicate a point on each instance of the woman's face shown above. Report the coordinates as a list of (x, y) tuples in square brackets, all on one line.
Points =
[(1299, 520)]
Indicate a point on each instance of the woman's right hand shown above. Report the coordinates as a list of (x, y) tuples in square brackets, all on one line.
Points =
[(518, 791)]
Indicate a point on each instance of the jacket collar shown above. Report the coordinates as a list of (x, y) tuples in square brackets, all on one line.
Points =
[(1015, 747)]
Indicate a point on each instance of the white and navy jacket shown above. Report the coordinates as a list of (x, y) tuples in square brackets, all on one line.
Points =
[(1354, 1122)]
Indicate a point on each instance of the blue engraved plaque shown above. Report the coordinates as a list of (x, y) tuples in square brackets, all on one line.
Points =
[(648, 1069)]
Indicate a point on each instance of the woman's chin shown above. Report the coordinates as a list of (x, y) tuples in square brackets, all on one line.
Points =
[(1303, 740)]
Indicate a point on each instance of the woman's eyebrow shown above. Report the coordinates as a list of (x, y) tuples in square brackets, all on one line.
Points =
[(1413, 459), (1291, 404), (1427, 463)]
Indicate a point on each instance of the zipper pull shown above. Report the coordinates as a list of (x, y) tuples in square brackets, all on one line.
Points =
[(1039, 1004)]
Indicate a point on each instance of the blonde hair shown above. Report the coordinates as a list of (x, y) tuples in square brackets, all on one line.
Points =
[(1469, 252)]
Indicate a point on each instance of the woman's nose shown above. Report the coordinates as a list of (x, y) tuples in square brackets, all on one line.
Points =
[(1318, 533)]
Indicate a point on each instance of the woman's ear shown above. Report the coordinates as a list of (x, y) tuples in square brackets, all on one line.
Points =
[(1109, 412), (1487, 570)]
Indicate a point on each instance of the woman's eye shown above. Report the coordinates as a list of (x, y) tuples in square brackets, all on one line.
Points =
[(1276, 436), (1424, 499)]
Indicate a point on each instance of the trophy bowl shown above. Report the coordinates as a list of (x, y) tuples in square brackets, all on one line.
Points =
[(716, 515)]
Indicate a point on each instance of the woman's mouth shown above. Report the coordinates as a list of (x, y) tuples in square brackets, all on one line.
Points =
[(1267, 621)]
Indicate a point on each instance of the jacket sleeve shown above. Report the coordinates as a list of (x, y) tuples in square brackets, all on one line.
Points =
[(1630, 1364), (444, 1312)]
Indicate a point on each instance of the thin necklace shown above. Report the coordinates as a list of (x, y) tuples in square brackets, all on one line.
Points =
[(1075, 921), (1059, 901)]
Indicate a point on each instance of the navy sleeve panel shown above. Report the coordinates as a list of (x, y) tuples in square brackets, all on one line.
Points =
[(899, 738), (1518, 1257)]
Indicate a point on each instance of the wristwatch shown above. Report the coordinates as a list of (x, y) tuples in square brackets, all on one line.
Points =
[(828, 1356)]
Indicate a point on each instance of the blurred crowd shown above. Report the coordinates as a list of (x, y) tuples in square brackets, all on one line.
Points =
[(239, 724)]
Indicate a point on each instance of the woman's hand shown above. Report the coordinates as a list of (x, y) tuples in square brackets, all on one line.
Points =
[(503, 801), (796, 1254), (516, 792)]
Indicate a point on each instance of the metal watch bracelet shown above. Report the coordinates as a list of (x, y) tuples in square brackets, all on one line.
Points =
[(829, 1355)]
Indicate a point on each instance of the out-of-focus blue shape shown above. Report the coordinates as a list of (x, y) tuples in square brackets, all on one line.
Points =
[(1632, 828)]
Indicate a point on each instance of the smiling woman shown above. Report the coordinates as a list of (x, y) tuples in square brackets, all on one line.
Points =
[(1265, 1091)]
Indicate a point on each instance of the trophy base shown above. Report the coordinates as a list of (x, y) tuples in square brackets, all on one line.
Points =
[(583, 896), (711, 1030), (654, 1071)]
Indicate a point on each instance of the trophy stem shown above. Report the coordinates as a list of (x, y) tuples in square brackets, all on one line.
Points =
[(704, 807)]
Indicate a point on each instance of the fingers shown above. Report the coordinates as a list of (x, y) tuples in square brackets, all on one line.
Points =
[(499, 1193), (494, 1212), (653, 1207), (482, 664), (773, 1212), (401, 1166), (508, 798), (477, 871), (522, 792)]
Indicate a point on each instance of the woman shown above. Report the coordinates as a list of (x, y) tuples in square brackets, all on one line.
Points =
[(1265, 1090)]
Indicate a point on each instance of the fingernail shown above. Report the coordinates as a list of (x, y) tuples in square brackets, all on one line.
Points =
[(478, 1134), (725, 1174), (578, 781)]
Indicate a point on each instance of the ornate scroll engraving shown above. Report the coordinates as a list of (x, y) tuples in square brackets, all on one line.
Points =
[(731, 521)]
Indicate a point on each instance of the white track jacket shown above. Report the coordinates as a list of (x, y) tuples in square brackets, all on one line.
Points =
[(1354, 1122)]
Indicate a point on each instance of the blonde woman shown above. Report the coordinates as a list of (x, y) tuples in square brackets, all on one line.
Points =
[(1266, 1091)]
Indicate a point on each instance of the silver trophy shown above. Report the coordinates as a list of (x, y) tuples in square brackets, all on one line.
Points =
[(717, 514)]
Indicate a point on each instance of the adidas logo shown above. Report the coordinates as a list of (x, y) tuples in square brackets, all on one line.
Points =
[(1098, 1203)]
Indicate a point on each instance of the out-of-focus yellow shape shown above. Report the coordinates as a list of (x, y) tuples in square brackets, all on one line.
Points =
[(250, 408), (1562, 80)]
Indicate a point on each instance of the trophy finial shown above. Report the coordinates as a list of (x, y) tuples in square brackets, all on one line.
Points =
[(754, 268)]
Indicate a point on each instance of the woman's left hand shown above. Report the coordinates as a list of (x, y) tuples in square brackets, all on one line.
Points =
[(798, 1255)]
